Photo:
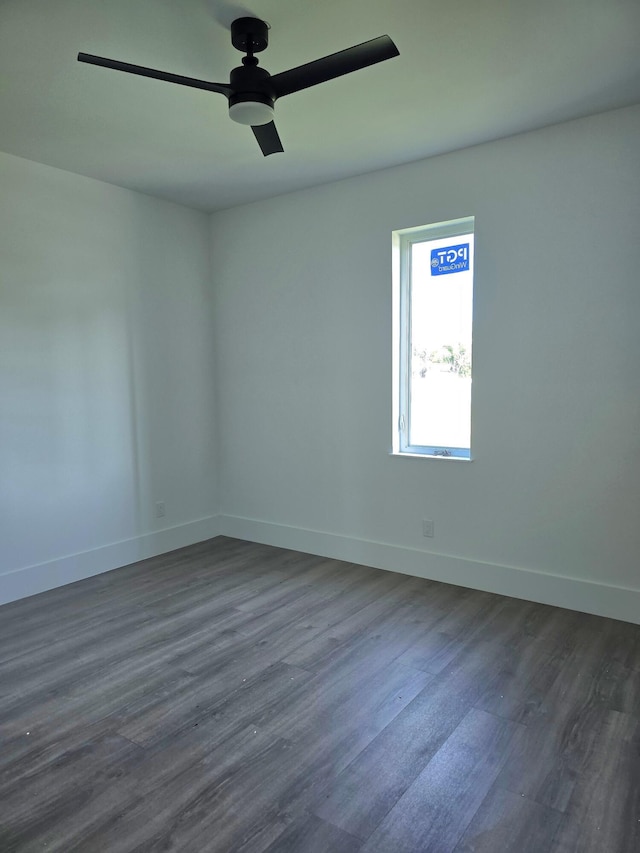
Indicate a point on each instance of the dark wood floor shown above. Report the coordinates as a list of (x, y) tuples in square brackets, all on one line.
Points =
[(238, 697)]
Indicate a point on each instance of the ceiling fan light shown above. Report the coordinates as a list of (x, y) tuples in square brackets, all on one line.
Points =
[(252, 113)]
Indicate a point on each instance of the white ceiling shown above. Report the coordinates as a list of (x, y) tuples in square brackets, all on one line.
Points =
[(468, 71)]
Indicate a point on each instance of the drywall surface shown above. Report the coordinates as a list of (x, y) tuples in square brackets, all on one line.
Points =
[(303, 313), (106, 376)]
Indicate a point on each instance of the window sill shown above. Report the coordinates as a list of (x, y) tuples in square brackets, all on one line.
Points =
[(402, 455)]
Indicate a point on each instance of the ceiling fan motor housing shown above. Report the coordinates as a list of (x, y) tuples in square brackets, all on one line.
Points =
[(251, 83)]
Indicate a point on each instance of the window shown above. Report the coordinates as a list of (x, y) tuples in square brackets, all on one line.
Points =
[(433, 311)]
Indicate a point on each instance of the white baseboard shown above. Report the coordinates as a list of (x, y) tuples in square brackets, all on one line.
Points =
[(572, 593), (34, 579)]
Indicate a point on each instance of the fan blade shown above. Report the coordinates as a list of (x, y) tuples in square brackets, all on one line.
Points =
[(151, 72), (268, 138), (335, 65)]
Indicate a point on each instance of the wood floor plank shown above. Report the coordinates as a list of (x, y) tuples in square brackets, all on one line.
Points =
[(356, 622), (63, 716), (451, 634), (341, 716), (215, 699), (372, 784), (387, 629), (209, 802), (226, 798), (524, 679), (557, 743), (328, 603), (194, 767), (437, 808), (309, 834), (510, 822), (66, 778), (130, 657), (602, 814), (61, 662), (318, 748)]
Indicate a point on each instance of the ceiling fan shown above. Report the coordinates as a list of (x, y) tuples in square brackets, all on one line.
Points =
[(252, 91)]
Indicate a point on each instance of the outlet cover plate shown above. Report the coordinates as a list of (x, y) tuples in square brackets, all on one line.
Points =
[(427, 528)]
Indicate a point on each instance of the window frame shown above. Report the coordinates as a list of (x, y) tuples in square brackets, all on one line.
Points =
[(402, 242)]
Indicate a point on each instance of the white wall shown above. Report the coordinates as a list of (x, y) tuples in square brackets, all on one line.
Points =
[(106, 377), (550, 508)]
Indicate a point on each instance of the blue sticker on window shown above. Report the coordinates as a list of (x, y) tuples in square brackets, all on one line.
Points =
[(450, 259)]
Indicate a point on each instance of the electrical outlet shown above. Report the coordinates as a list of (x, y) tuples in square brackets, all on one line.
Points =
[(427, 528), (160, 509)]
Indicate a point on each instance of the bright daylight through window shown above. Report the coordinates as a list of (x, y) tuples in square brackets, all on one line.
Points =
[(433, 312)]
